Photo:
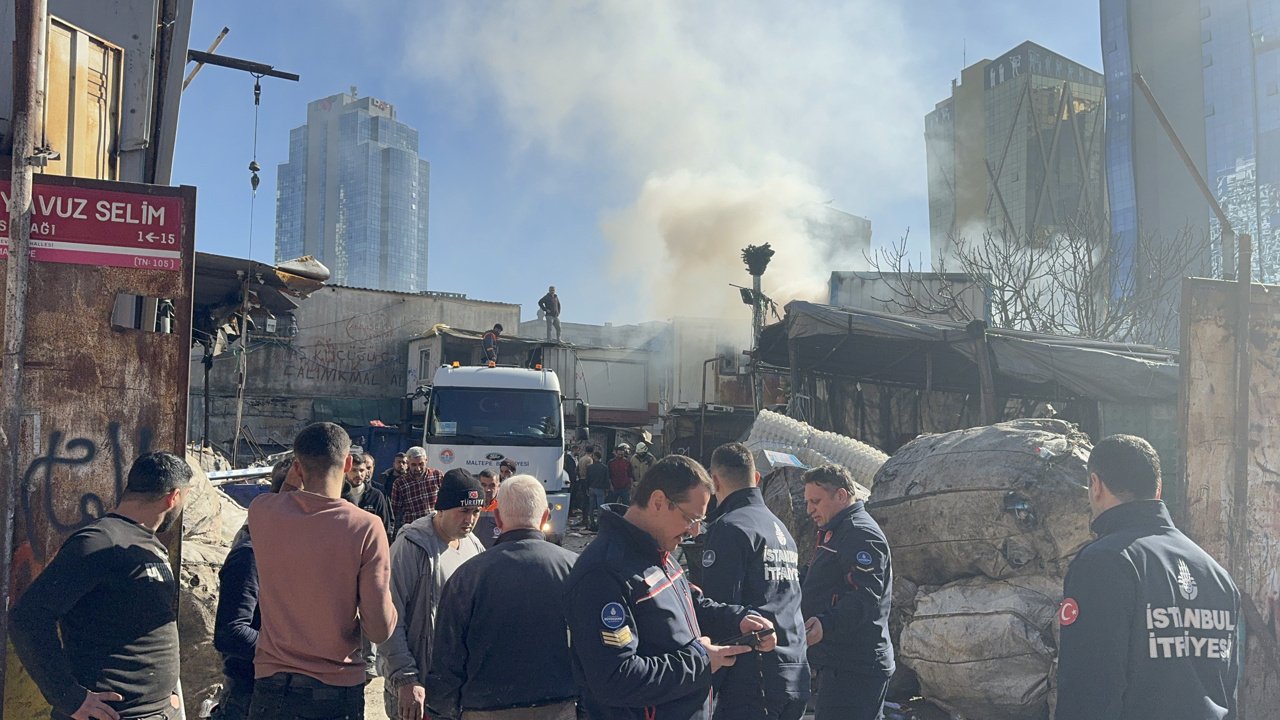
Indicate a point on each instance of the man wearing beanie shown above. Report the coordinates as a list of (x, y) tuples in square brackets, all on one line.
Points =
[(425, 554)]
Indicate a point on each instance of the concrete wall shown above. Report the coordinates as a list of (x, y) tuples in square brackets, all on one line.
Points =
[(874, 291), (347, 360)]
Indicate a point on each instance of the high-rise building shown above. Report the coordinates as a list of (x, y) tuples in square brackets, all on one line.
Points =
[(1016, 150), (354, 195), (1213, 67), (1153, 197)]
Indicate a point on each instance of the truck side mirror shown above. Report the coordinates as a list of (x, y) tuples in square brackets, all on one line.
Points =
[(583, 413)]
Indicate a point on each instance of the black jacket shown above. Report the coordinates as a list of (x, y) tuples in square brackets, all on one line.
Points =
[(101, 616), (598, 475), (749, 558), (236, 624), (849, 587), (371, 500), (500, 639), (634, 623), (550, 304), (1149, 624)]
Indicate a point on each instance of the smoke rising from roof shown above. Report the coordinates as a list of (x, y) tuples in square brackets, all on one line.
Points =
[(733, 121)]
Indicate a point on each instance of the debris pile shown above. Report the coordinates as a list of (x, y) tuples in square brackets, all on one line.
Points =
[(210, 520), (983, 523)]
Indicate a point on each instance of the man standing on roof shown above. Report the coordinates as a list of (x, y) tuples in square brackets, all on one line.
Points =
[(549, 304), (490, 343)]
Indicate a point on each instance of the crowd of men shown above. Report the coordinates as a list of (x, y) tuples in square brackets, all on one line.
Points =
[(325, 577)]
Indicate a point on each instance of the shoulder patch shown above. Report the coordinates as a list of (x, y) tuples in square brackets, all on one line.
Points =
[(612, 616), (864, 558), (1068, 611), (618, 638), (708, 558), (779, 533)]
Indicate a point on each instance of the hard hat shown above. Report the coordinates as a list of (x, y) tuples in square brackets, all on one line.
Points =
[(623, 446), (642, 448)]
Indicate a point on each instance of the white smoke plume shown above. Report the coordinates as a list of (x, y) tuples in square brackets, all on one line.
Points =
[(732, 120)]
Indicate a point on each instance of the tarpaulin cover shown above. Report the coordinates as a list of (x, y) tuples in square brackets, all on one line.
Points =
[(880, 347)]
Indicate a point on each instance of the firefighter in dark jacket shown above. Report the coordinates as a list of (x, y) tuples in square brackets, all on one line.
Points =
[(847, 594), (1149, 622), (645, 642), (749, 558), (513, 593)]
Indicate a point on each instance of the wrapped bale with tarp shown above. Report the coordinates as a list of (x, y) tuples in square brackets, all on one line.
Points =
[(985, 648), (996, 501)]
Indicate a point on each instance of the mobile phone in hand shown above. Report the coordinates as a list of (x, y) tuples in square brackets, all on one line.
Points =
[(751, 639)]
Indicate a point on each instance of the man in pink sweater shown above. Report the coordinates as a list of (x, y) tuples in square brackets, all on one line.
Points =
[(324, 573)]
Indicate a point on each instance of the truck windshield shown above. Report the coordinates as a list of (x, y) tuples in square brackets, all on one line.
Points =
[(494, 416)]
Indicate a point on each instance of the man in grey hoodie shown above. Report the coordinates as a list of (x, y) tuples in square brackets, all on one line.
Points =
[(425, 554)]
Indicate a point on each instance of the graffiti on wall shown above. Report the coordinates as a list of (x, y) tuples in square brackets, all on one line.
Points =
[(51, 498)]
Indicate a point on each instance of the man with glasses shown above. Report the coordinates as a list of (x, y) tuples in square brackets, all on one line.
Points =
[(97, 629), (641, 634), (749, 558)]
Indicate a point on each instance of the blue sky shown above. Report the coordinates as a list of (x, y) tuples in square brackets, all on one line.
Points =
[(621, 151)]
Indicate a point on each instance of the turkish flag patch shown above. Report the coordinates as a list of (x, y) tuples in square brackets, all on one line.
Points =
[(1068, 611)]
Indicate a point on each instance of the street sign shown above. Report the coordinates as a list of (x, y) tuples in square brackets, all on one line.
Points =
[(93, 226)]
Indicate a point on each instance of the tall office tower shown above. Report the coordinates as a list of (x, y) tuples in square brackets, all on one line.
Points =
[(1153, 197), (1016, 150), (354, 195)]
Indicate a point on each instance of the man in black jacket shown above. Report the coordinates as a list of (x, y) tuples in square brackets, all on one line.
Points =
[(97, 629), (749, 558), (500, 641), (549, 304), (846, 597), (1149, 622), (237, 620), (640, 634), (358, 490)]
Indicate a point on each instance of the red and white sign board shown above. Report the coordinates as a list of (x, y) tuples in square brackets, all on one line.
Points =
[(89, 226)]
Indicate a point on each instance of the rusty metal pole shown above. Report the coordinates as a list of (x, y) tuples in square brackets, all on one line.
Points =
[(31, 18), (1240, 493)]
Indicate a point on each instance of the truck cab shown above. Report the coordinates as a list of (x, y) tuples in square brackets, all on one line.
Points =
[(478, 416)]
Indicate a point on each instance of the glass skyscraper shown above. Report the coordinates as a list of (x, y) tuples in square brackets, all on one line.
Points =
[(1213, 66), (354, 194), (1016, 150)]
